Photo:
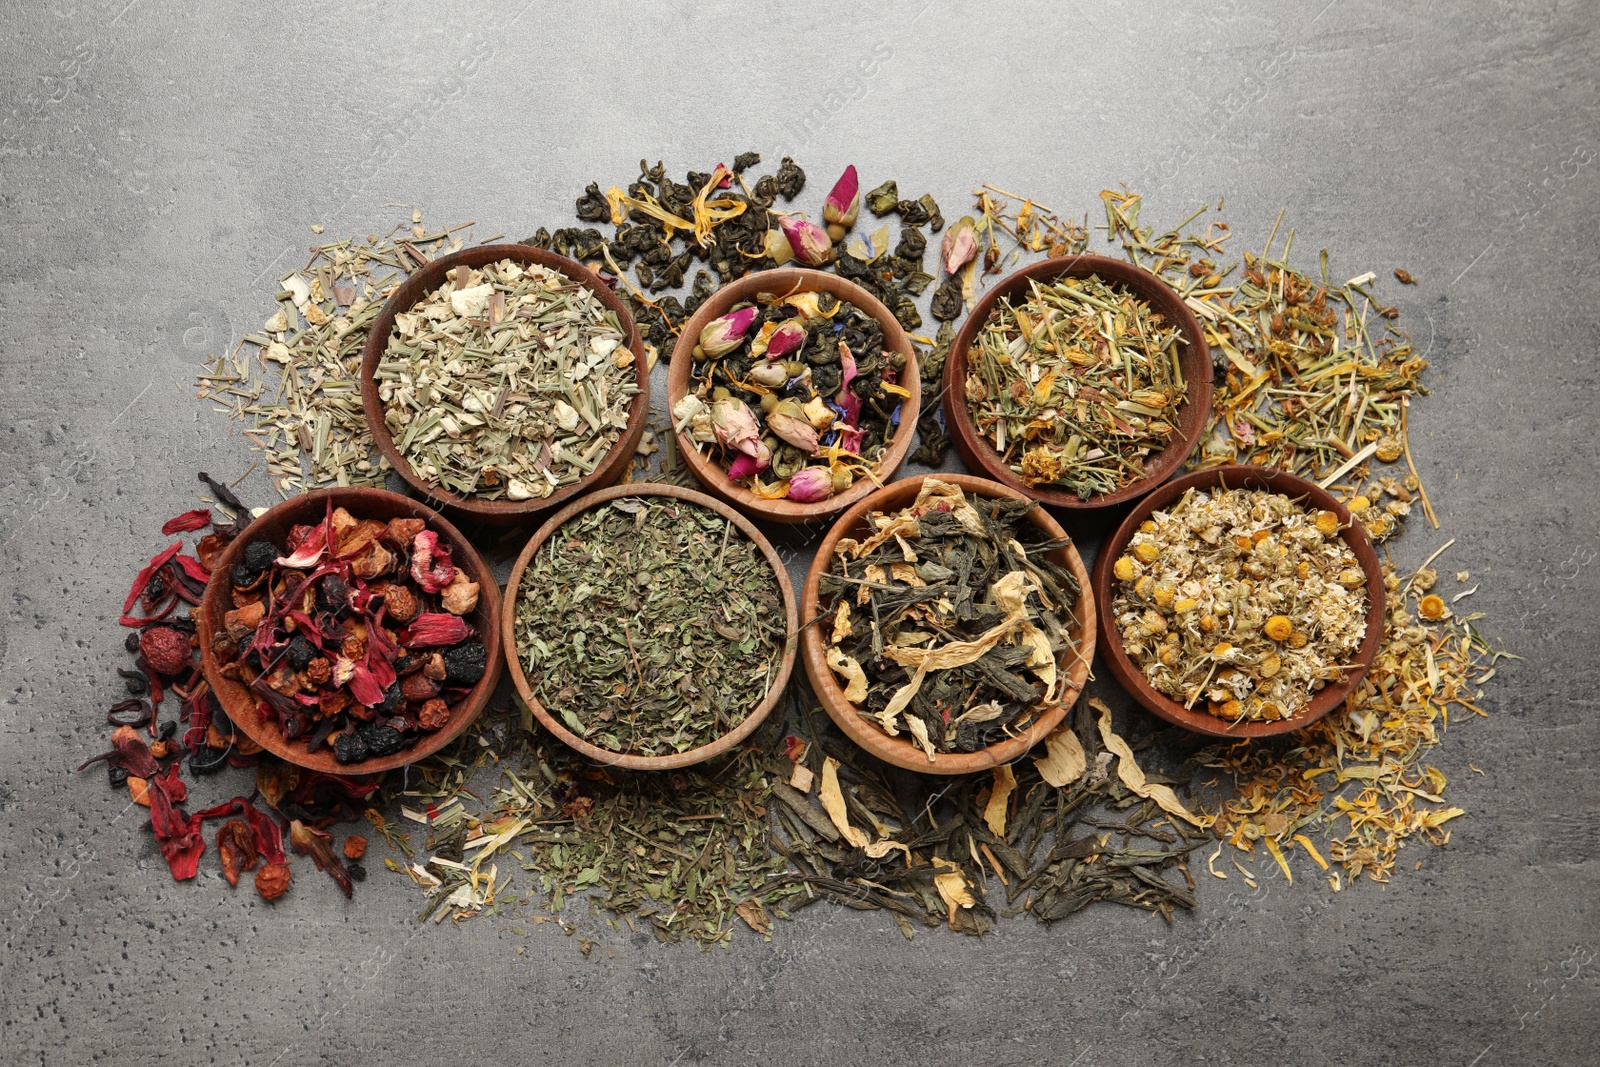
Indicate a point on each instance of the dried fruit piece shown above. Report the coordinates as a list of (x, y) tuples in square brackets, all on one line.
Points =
[(165, 650), (355, 846), (272, 881)]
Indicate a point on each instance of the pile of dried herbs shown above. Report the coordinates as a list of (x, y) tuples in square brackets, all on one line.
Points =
[(799, 397), (650, 625), (948, 619), (1076, 384), (1243, 597), (507, 382)]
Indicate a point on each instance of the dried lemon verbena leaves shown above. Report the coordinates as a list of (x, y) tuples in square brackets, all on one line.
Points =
[(506, 382), (1240, 601)]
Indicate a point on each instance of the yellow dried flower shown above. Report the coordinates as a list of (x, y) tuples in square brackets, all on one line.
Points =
[(1144, 586), (1358, 504), (1278, 628), (1147, 551), (1208, 623), (1388, 449), (1222, 649), (1424, 579), (1163, 595), (1124, 568), (1327, 523), (1271, 664), (1298, 640), (1183, 604), (1432, 608), (1352, 578)]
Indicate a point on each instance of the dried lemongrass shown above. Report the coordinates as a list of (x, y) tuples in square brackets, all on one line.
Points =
[(506, 382)]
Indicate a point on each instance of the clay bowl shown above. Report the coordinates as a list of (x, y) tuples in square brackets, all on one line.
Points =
[(714, 475), (240, 703), (500, 512), (1236, 477), (978, 452), (902, 751), (710, 750)]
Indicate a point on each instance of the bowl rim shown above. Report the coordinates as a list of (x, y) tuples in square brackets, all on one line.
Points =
[(717, 746), (981, 456), (900, 751), (500, 512), (786, 280), (219, 595), (1238, 476)]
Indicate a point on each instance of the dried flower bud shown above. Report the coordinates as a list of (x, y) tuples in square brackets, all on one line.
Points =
[(727, 332), (810, 242), (959, 245), (811, 484), (735, 426), (788, 420), (745, 466), (272, 881), (786, 339), (771, 375), (844, 201), (165, 650)]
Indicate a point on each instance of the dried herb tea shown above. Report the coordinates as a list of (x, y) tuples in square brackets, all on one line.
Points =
[(650, 625), (352, 634), (798, 394), (1240, 601), (1076, 385), (506, 382), (948, 620)]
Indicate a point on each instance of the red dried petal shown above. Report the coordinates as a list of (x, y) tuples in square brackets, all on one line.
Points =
[(310, 550), (157, 561), (430, 562), (237, 846), (189, 520), (194, 569), (128, 752), (178, 834), (319, 846), (435, 630)]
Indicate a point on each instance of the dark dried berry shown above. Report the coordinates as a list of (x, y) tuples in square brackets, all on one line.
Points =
[(118, 775), (465, 663), (349, 748), (136, 681), (381, 740), (301, 652), (394, 700), (357, 872), (131, 642), (208, 760), (167, 729), (259, 555)]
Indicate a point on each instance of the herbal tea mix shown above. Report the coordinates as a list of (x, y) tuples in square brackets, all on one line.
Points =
[(507, 382), (948, 619), (650, 625), (1240, 601), (1313, 376)]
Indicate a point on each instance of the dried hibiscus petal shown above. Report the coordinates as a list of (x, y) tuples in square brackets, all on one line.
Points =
[(237, 845), (177, 834), (430, 562), (129, 752), (435, 630), (142, 581), (189, 520), (319, 846)]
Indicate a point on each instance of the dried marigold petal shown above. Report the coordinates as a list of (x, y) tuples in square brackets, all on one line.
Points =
[(272, 881)]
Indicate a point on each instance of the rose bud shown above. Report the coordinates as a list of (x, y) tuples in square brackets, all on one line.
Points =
[(727, 332), (788, 420), (745, 466), (844, 202), (735, 426), (777, 247), (960, 245), (787, 339), (811, 484), (810, 242), (771, 375)]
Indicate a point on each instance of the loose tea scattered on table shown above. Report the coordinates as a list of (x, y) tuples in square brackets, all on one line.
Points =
[(295, 382), (1076, 384), (949, 619), (1241, 602), (650, 625), (351, 634), (507, 382), (797, 393)]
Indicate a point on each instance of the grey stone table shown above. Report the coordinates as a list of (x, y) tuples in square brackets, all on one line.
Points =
[(161, 163)]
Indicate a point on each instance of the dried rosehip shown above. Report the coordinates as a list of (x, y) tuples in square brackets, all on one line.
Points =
[(382, 740), (272, 881), (355, 846), (433, 715), (237, 845), (400, 602), (419, 688), (465, 663), (349, 748), (300, 652), (319, 670)]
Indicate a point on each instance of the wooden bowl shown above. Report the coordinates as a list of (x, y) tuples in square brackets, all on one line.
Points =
[(714, 475), (901, 751), (500, 512), (240, 703), (1236, 477), (710, 750), (977, 451)]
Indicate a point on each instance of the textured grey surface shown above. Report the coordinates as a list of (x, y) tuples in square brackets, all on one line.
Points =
[(158, 165)]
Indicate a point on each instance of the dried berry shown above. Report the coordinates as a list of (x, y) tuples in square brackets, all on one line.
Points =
[(349, 748), (131, 642), (357, 872), (118, 775), (419, 688), (258, 559), (300, 652), (168, 729), (355, 846), (135, 681), (382, 740), (272, 881), (433, 715), (208, 760), (465, 663), (333, 595), (394, 700)]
